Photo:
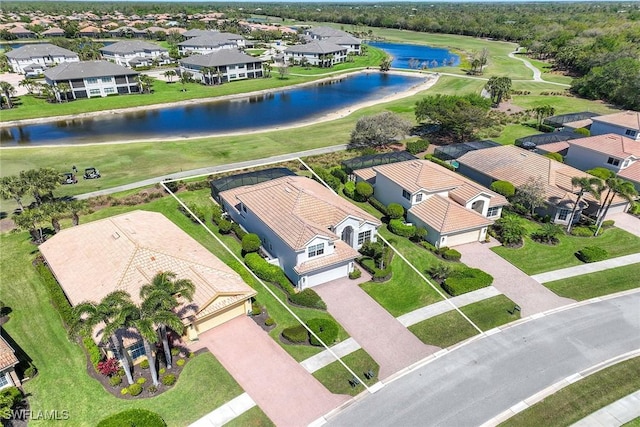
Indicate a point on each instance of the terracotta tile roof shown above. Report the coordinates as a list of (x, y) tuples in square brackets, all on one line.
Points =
[(365, 174), (632, 173), (415, 175), (296, 208), (554, 147), (124, 252), (579, 123), (610, 144), (628, 119), (342, 253), (7, 355), (447, 216)]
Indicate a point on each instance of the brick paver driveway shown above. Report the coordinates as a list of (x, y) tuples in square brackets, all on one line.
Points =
[(530, 295), (382, 336), (283, 389), (626, 222)]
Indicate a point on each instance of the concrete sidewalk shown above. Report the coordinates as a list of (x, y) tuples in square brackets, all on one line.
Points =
[(325, 358), (226, 412), (592, 267), (618, 413)]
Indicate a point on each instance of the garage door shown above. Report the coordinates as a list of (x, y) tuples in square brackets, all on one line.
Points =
[(462, 238), (327, 275), (220, 317), (616, 209)]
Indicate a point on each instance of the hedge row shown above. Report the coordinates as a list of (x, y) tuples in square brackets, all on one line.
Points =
[(415, 147), (466, 280), (379, 275), (199, 211), (308, 298), (397, 226), (327, 177), (378, 205), (56, 295), (133, 417), (95, 355), (440, 162)]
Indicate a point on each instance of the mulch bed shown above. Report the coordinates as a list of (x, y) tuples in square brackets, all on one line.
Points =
[(261, 318)]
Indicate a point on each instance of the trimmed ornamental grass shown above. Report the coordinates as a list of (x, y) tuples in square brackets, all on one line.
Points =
[(582, 398), (450, 328), (597, 284), (336, 378)]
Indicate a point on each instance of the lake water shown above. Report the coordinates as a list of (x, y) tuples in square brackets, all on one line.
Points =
[(417, 56), (247, 113)]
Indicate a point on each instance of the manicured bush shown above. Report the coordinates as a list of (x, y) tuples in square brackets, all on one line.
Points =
[(225, 226), (216, 215), (364, 190), (421, 234), (108, 367), (31, 371), (144, 364), (592, 254), (124, 390), (95, 355), (451, 255), (395, 211), (268, 272), (152, 389), (428, 246), (325, 329), (350, 189), (175, 351), (296, 334), (505, 188), (555, 156), (378, 205), (308, 298), (582, 231), (466, 280), (256, 309), (582, 131), (115, 380), (326, 176), (161, 371), (238, 231), (439, 162), (269, 321), (339, 173), (141, 380), (133, 417), (181, 362), (251, 243), (134, 389), (415, 147), (397, 226), (355, 274), (608, 223), (168, 379), (56, 295)]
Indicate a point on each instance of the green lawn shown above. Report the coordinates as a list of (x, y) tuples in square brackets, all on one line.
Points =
[(632, 423), (254, 417), (597, 284), (563, 104), (512, 132), (450, 328), (534, 258), (582, 398), (336, 378)]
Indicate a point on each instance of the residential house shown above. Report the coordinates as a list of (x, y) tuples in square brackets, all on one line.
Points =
[(212, 42), (135, 53), (453, 209), (612, 151), (32, 59), (320, 53), (519, 167), (90, 31), (128, 32), (626, 123), (22, 33), (8, 362), (126, 251), (226, 66), (53, 32), (89, 79), (335, 36), (309, 231)]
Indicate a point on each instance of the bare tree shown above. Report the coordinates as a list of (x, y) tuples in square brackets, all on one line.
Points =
[(531, 194), (379, 130)]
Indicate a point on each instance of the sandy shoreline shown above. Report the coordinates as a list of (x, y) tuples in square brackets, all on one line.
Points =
[(431, 79)]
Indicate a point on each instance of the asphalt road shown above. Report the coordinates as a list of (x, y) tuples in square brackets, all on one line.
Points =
[(478, 381)]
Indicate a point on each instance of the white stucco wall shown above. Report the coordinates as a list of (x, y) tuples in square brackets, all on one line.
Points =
[(17, 65)]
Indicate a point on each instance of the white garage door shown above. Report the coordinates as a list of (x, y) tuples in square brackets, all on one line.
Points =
[(462, 238), (616, 209), (327, 276)]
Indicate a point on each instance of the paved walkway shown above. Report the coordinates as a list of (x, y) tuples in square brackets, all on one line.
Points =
[(432, 310), (618, 413), (530, 295), (283, 389), (390, 344), (325, 358), (628, 223), (226, 412), (592, 267)]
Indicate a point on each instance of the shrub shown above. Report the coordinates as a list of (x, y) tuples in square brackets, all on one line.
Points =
[(548, 233), (56, 295), (181, 362), (172, 186), (161, 371), (364, 190), (198, 211), (13, 396), (108, 367), (115, 380), (440, 271), (439, 162), (169, 379), (582, 131), (251, 243), (415, 147), (144, 364), (608, 223), (152, 389), (466, 280), (95, 355), (308, 298), (581, 231), (421, 234), (451, 255), (120, 372), (326, 176), (225, 226), (378, 205), (555, 156), (397, 226), (505, 188), (355, 274), (238, 231), (31, 371), (325, 329), (296, 334), (509, 230), (350, 189), (124, 390), (216, 216), (133, 417), (592, 254), (269, 321), (135, 389), (256, 309), (197, 185), (428, 246), (339, 173), (141, 380), (395, 211), (268, 272), (175, 351)]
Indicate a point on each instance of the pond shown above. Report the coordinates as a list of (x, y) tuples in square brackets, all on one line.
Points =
[(413, 56), (280, 108)]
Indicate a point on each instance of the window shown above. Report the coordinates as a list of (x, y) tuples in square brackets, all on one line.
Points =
[(406, 194), (232, 76), (316, 250), (109, 90), (363, 237), (418, 197), (4, 381), (564, 214), (625, 163), (242, 75), (94, 91), (613, 161), (92, 81), (630, 132), (137, 350), (493, 211), (106, 80)]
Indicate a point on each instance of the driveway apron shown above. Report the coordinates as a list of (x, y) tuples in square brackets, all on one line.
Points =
[(390, 344), (531, 296), (283, 389), (626, 222)]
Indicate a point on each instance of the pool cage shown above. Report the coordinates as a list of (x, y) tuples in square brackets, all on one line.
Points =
[(248, 178), (455, 151), (530, 142), (371, 160), (559, 120)]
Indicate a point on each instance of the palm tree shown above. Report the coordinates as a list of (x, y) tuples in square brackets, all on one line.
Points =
[(177, 288), (207, 77), (185, 77), (146, 83), (266, 66), (27, 83), (40, 181), (75, 208), (12, 187), (88, 315), (385, 65), (63, 90), (55, 212), (8, 91), (31, 220), (591, 185), (498, 87), (543, 112), (170, 74), (219, 75), (618, 187)]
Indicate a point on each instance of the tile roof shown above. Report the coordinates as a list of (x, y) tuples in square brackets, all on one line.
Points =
[(220, 58), (342, 253), (554, 147), (365, 174), (124, 252), (7, 355), (628, 119), (38, 50), (632, 173), (316, 46), (87, 69), (447, 216), (132, 46), (296, 208), (610, 144), (579, 123)]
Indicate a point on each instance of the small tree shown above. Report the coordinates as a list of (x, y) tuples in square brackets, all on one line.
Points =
[(548, 233), (251, 243), (385, 65), (499, 88), (509, 229), (364, 190), (505, 188), (283, 70), (531, 195), (379, 130)]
